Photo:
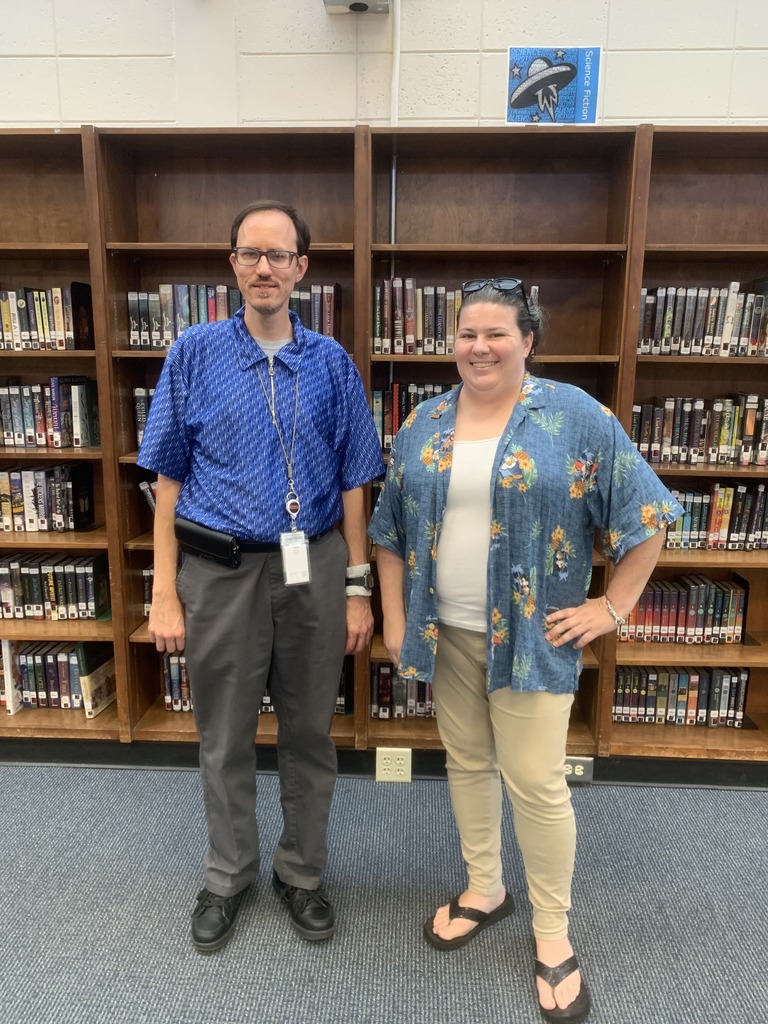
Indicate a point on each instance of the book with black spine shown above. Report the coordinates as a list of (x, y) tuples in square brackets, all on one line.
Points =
[(695, 454), (429, 320), (647, 319), (666, 429), (662, 695), (386, 317), (657, 329), (755, 330), (441, 312), (419, 322), (710, 321), (722, 304), (669, 321), (699, 321), (641, 320), (741, 697), (685, 429), (742, 348), (686, 336), (654, 454), (376, 331), (646, 428)]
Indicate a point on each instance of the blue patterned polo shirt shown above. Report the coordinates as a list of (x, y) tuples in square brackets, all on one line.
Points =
[(564, 467), (210, 427)]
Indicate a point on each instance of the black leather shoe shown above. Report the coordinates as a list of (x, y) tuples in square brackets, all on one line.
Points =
[(310, 909), (213, 919)]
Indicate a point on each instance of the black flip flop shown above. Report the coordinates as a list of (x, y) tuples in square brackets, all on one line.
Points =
[(481, 918), (574, 1011)]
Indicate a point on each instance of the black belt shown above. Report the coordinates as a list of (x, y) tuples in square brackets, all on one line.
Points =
[(223, 548), (257, 547)]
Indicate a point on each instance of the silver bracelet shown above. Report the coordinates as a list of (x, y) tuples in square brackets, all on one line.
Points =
[(618, 619)]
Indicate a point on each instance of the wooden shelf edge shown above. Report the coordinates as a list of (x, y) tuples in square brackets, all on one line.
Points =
[(700, 559), (47, 353), (704, 248), (144, 542), (752, 654), (139, 353), (704, 360), (34, 454), (478, 248), (54, 723), (67, 540), (195, 248), (159, 725), (431, 360), (668, 469), (67, 630), (691, 742), (42, 248)]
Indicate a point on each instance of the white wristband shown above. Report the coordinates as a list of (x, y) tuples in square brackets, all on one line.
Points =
[(357, 570), (358, 592)]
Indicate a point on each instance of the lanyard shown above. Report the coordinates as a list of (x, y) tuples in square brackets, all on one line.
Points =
[(292, 503)]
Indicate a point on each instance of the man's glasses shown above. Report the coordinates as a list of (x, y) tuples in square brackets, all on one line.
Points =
[(501, 284), (280, 259)]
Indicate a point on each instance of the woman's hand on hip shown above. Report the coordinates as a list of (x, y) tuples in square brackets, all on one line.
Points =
[(579, 626)]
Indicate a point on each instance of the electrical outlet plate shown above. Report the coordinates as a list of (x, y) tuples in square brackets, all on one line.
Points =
[(393, 764)]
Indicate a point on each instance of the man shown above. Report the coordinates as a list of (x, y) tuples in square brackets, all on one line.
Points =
[(262, 440)]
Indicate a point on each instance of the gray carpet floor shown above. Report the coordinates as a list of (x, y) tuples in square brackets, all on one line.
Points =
[(100, 868)]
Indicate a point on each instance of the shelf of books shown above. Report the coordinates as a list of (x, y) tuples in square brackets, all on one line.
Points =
[(553, 210), (648, 249), (167, 201), (694, 651), (56, 635)]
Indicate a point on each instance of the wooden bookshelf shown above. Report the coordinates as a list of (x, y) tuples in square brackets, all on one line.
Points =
[(590, 214), (46, 216)]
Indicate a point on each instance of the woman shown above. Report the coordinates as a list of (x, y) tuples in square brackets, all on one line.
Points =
[(485, 530)]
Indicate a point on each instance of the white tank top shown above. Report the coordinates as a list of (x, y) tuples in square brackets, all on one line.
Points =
[(465, 537)]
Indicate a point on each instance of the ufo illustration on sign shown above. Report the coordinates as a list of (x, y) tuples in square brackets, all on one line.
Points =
[(542, 86)]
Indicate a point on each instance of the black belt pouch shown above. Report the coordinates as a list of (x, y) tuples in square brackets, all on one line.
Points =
[(207, 543)]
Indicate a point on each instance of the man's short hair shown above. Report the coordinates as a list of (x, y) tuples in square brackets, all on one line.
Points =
[(303, 238)]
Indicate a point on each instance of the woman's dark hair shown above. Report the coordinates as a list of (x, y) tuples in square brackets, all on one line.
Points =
[(530, 316), (303, 238)]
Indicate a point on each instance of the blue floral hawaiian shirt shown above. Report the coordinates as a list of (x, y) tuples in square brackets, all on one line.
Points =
[(563, 468)]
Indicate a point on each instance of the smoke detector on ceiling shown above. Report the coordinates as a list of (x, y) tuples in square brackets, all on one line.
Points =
[(352, 7)]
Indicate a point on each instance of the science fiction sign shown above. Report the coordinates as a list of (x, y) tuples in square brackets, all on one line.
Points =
[(553, 86)]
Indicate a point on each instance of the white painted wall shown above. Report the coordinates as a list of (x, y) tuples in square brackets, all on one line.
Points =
[(287, 62)]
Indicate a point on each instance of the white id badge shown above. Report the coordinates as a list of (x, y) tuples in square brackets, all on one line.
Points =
[(294, 548)]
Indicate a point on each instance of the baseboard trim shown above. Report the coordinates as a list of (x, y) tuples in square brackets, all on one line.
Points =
[(427, 764)]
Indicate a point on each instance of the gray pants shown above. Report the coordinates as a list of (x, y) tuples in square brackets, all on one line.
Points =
[(245, 629)]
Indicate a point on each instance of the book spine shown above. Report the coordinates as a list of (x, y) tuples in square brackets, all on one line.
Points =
[(440, 320), (376, 332), (398, 317), (386, 317), (409, 299)]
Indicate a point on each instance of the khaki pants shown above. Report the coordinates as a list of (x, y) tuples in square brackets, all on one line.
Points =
[(520, 738)]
